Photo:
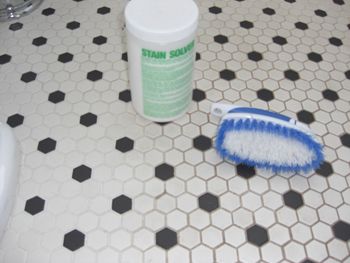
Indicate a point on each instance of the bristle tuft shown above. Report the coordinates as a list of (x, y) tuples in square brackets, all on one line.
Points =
[(289, 137)]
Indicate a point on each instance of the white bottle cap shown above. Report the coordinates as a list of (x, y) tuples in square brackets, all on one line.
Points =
[(161, 21)]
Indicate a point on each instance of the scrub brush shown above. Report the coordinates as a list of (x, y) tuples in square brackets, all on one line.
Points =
[(266, 140)]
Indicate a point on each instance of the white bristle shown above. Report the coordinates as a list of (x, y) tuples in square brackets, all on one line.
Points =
[(263, 146)]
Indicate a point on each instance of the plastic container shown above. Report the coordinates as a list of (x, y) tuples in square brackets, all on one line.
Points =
[(161, 54)]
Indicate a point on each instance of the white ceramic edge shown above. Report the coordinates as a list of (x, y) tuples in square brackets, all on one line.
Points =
[(9, 167)]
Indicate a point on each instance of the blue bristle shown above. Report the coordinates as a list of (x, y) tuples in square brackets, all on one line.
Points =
[(261, 125), (239, 124), (272, 128)]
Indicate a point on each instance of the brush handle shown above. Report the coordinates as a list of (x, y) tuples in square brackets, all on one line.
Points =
[(220, 110), (260, 112)]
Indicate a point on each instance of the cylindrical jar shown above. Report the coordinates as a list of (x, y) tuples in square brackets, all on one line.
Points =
[(161, 54)]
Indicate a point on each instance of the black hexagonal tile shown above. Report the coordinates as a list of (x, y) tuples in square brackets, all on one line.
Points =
[(293, 199), (81, 173), (125, 56), (121, 204), (48, 11), (269, 11), (290, 1), (339, 2), (335, 41), (330, 95), (65, 57), (88, 119), (305, 116), (308, 261), (164, 171), (56, 96), (255, 56), (166, 238), (257, 235), (124, 144), (99, 40), (279, 40), (227, 74), (5, 58), (245, 171), (78, 0), (16, 26), (215, 10), (198, 56), (325, 169), (94, 75), (301, 25), (73, 25), (221, 39), (39, 41), (341, 230), (74, 240), (202, 143), (15, 120), (28, 76), (103, 10), (47, 145), (208, 202), (320, 13), (347, 74), (246, 24), (291, 75), (345, 139), (265, 95), (198, 95), (315, 57), (34, 205), (125, 95)]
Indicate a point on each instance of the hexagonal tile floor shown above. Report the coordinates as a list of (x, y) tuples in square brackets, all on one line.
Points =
[(100, 184)]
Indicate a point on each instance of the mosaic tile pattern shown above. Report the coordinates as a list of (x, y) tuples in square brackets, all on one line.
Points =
[(100, 184)]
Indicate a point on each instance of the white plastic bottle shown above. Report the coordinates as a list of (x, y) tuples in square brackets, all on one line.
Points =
[(161, 54)]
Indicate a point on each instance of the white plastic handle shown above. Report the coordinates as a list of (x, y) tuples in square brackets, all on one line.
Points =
[(220, 109)]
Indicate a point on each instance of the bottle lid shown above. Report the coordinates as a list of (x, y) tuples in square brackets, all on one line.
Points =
[(161, 20)]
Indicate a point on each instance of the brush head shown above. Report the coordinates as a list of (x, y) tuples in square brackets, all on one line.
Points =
[(268, 145)]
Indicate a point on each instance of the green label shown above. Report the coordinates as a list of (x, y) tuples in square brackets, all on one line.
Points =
[(167, 81)]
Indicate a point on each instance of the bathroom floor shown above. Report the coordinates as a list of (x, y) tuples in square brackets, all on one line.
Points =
[(100, 184)]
